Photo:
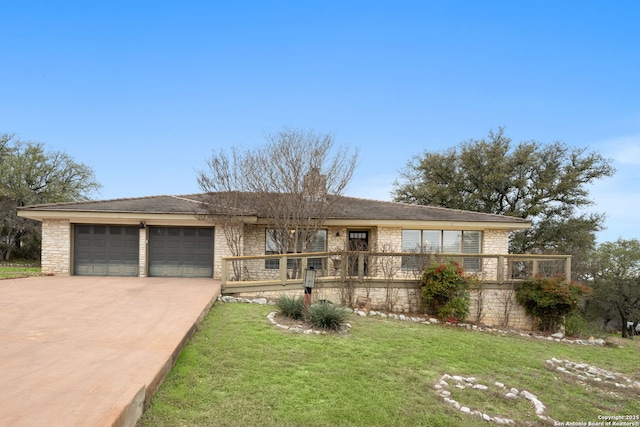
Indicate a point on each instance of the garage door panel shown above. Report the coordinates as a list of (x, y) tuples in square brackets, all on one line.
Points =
[(106, 250), (181, 252)]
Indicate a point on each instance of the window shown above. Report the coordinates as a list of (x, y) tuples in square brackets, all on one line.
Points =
[(317, 244), (441, 242), (411, 243), (472, 244)]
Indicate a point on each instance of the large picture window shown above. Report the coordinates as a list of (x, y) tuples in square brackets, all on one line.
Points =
[(441, 242), (317, 244)]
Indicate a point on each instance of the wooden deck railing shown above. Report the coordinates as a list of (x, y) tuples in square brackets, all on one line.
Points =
[(240, 274)]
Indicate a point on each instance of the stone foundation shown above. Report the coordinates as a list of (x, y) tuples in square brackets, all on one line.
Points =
[(498, 306)]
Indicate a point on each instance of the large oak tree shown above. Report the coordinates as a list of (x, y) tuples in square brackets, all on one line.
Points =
[(615, 271), (546, 183), (29, 174)]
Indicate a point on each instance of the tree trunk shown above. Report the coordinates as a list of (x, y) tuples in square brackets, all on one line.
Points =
[(623, 320)]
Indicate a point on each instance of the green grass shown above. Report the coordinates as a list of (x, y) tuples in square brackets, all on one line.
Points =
[(238, 370), (16, 270)]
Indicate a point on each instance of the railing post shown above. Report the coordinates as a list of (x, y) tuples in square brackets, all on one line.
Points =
[(535, 268), (225, 272), (360, 266), (567, 268), (283, 270), (500, 272)]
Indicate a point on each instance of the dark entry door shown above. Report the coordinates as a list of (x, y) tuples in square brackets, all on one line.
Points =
[(105, 250), (181, 251), (358, 242)]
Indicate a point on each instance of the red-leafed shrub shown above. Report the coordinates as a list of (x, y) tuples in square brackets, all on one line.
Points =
[(550, 299), (445, 291)]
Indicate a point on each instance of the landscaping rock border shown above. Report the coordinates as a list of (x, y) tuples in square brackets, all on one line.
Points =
[(584, 372), (581, 372), (296, 328), (302, 329), (558, 337), (443, 384)]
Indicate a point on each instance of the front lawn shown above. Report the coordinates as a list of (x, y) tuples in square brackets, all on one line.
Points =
[(16, 270), (239, 370)]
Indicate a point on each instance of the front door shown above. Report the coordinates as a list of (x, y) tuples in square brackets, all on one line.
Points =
[(358, 242)]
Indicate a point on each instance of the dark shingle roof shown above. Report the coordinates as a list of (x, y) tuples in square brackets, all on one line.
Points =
[(375, 209), (349, 208), (151, 204)]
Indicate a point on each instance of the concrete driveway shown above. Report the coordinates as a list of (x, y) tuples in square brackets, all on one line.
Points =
[(89, 351)]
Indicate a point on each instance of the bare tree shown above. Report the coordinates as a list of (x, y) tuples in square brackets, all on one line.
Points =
[(290, 184), (224, 203), (508, 303), (390, 265)]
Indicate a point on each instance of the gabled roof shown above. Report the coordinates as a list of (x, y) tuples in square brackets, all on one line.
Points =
[(349, 208)]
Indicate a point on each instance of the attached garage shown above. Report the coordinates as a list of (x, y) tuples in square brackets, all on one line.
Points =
[(180, 251), (105, 250)]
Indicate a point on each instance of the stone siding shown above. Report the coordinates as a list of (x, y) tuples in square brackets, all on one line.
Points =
[(56, 247), (142, 252), (498, 308), (493, 242), (220, 250)]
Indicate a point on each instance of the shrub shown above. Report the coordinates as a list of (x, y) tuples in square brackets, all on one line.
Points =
[(549, 300), (292, 307), (575, 325), (445, 291), (327, 316)]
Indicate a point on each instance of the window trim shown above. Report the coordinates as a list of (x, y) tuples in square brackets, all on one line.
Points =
[(274, 263), (472, 264)]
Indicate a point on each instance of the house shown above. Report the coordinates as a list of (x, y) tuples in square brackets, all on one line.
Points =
[(169, 236), (166, 236)]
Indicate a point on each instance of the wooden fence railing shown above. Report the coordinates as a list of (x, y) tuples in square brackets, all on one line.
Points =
[(244, 273)]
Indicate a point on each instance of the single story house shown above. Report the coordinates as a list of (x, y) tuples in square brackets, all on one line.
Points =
[(166, 236)]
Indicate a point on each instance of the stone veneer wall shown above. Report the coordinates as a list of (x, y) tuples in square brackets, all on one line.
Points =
[(220, 250), (142, 252), (56, 247), (493, 242), (499, 307)]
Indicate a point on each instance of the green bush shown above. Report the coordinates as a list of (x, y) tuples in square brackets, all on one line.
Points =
[(575, 325), (327, 316), (292, 307), (549, 300), (445, 291)]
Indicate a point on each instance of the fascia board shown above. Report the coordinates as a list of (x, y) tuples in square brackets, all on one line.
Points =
[(119, 217), (442, 225)]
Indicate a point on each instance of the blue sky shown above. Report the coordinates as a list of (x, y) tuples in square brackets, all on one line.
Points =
[(143, 91)]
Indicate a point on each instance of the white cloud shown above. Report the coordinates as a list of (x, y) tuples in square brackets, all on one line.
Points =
[(619, 198), (625, 150)]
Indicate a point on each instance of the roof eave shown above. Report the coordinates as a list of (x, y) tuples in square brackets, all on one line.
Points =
[(128, 216), (447, 224)]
